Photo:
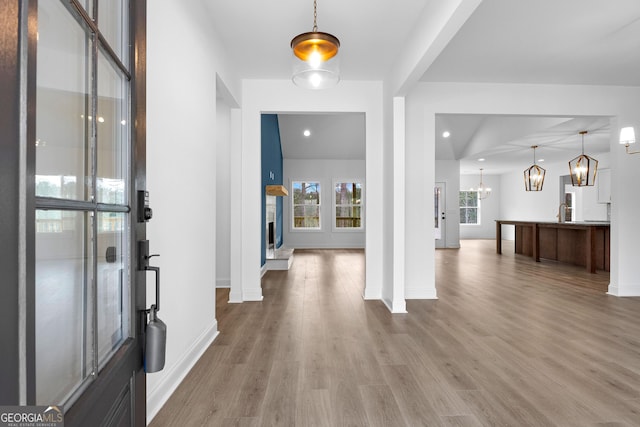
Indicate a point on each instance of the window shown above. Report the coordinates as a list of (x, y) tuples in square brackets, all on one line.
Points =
[(306, 205), (469, 207), (348, 205)]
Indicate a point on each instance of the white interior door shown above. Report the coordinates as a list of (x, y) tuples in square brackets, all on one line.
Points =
[(439, 214)]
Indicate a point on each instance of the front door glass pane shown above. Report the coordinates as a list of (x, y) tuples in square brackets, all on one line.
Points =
[(63, 312), (113, 289), (112, 20), (113, 133), (62, 111)]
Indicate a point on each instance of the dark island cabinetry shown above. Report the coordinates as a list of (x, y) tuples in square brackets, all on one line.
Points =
[(580, 243)]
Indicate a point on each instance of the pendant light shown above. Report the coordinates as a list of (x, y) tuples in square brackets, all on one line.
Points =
[(315, 61), (483, 190), (583, 168), (534, 175)]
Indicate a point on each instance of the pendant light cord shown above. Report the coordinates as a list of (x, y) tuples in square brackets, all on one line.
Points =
[(583, 133), (315, 16)]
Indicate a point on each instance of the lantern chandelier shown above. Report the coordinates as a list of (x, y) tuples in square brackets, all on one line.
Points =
[(483, 190), (315, 61), (534, 175), (583, 168)]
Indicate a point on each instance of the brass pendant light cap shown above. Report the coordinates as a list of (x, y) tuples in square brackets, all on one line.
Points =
[(325, 44)]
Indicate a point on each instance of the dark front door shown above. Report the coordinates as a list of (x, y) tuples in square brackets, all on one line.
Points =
[(80, 144)]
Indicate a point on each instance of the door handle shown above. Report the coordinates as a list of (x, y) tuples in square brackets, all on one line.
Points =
[(143, 264), (155, 333), (156, 306), (155, 347)]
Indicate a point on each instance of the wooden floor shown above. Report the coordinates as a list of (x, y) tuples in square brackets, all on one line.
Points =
[(509, 342)]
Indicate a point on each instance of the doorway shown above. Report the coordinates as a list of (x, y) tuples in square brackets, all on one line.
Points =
[(439, 214)]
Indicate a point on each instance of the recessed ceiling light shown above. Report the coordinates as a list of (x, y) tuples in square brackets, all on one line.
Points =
[(307, 132), (446, 134), (481, 160), (540, 160)]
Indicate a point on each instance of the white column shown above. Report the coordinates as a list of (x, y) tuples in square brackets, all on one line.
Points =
[(398, 304), (235, 149), (625, 205)]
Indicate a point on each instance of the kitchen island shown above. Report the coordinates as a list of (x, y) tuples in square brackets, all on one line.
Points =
[(580, 243)]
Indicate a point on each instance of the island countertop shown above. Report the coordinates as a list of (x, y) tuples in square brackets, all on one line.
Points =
[(582, 242)]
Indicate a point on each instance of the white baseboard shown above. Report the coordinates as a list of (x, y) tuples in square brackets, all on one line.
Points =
[(396, 307), (157, 397), (627, 291), (370, 295), (279, 264), (252, 295), (420, 294), (328, 246), (223, 283), (263, 270), (235, 297)]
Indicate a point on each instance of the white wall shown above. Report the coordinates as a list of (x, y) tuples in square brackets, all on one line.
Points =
[(325, 172), (183, 60), (428, 99), (223, 195), (448, 171), (489, 207)]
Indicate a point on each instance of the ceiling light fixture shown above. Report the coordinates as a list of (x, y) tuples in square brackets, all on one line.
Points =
[(316, 65), (481, 159), (583, 168), (483, 190), (306, 132), (534, 175), (628, 137), (446, 134)]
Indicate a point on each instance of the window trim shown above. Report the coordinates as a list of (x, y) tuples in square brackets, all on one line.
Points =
[(292, 227), (478, 208), (334, 206)]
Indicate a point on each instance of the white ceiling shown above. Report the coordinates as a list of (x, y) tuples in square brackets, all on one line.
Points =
[(543, 41), (258, 33), (333, 136), (505, 141)]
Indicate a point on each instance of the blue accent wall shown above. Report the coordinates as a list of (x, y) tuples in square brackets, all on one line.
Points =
[(271, 164)]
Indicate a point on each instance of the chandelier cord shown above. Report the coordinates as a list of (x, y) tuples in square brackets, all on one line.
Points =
[(315, 16)]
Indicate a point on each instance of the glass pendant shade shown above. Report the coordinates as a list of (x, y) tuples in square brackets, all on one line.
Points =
[(534, 175), (583, 168), (316, 74), (315, 61)]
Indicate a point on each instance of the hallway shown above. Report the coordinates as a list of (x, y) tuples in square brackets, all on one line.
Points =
[(497, 348)]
